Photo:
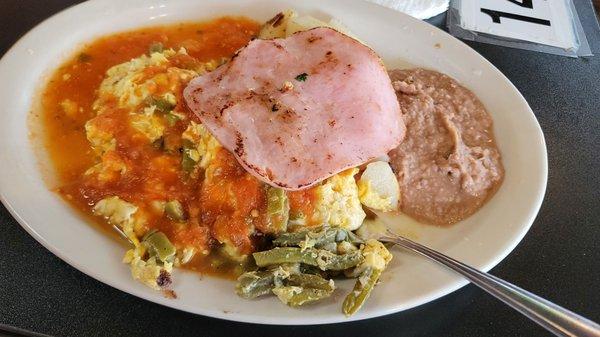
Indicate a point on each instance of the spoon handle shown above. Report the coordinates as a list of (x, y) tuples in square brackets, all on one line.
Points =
[(554, 318)]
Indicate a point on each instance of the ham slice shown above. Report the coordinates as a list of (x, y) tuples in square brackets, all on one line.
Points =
[(298, 110)]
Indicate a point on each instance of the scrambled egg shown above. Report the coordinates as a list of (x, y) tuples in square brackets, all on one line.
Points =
[(376, 256), (130, 84), (145, 268), (370, 198), (205, 146), (185, 255), (120, 213), (109, 168), (378, 187), (338, 203), (69, 107), (147, 271), (148, 123), (100, 140), (143, 90)]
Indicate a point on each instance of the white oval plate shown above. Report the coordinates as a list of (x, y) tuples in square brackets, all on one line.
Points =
[(483, 240)]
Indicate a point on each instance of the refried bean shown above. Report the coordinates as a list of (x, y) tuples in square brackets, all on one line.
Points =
[(448, 165)]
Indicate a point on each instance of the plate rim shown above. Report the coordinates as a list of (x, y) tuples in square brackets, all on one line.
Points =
[(262, 319)]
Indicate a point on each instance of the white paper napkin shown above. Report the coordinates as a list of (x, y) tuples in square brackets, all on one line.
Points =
[(420, 9)]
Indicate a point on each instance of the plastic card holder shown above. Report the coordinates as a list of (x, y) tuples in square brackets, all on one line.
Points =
[(550, 26)]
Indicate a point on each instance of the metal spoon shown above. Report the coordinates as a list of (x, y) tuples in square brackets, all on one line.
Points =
[(554, 318)]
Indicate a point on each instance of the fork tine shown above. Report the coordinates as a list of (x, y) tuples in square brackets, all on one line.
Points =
[(122, 234)]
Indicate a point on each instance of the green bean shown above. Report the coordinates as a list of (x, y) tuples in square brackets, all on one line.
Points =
[(319, 237), (290, 239), (284, 255), (306, 269), (278, 209), (255, 283), (362, 289), (330, 246), (316, 238), (84, 57), (330, 261), (297, 296), (190, 156), (326, 237), (354, 239), (159, 245), (258, 283), (155, 47), (309, 281), (187, 160), (162, 105), (172, 118), (174, 210), (323, 259)]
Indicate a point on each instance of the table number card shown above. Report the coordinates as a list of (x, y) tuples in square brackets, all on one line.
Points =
[(547, 22)]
